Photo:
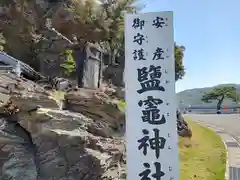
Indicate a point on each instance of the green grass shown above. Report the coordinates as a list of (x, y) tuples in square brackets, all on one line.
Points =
[(58, 95), (121, 105), (203, 157)]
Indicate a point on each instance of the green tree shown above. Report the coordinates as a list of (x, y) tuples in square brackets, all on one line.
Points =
[(19, 25), (89, 21), (69, 64), (104, 24), (219, 94), (179, 67), (114, 11)]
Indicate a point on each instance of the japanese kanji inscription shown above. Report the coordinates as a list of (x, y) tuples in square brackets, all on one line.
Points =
[(151, 131)]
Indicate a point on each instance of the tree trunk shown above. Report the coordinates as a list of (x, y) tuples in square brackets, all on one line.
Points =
[(219, 104)]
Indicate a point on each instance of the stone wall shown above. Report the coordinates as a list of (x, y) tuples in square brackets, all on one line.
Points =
[(50, 54), (115, 72)]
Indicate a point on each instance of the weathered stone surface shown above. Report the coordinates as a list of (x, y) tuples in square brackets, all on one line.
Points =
[(182, 126), (51, 54), (54, 144), (115, 74), (16, 152), (96, 105), (57, 144), (66, 148), (120, 93), (31, 93), (60, 146)]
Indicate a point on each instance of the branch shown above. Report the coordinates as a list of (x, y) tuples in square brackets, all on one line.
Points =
[(62, 36)]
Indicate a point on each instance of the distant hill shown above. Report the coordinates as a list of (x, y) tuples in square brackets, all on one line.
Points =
[(193, 97)]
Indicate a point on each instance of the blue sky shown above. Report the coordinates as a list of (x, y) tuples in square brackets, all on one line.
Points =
[(210, 31)]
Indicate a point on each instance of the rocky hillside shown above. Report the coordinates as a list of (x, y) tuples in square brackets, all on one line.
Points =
[(49, 143), (193, 96), (40, 141)]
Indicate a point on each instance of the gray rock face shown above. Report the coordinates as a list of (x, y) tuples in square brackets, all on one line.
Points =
[(30, 92), (182, 126), (62, 146), (54, 144), (17, 152)]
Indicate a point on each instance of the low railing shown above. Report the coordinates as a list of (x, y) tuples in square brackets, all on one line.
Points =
[(6, 68), (7, 59)]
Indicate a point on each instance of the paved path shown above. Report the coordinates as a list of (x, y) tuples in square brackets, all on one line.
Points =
[(228, 127)]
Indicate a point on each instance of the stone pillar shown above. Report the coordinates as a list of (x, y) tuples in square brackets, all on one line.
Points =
[(92, 64)]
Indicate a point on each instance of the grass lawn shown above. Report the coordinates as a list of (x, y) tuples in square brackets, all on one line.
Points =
[(205, 158)]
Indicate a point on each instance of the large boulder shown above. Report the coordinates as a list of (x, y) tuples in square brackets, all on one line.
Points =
[(30, 92), (17, 152), (182, 126), (55, 144), (98, 106), (47, 143)]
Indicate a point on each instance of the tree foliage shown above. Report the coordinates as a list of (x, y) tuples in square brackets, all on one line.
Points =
[(69, 65), (90, 21), (102, 23), (19, 24), (105, 24), (219, 94), (179, 55)]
